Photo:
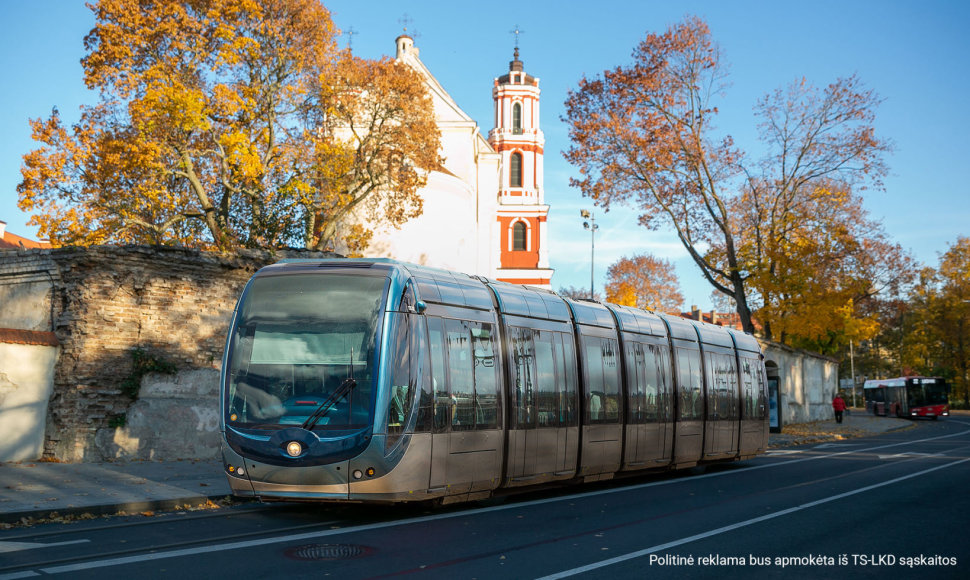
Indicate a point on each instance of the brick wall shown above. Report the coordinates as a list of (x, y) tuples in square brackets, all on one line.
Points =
[(174, 303)]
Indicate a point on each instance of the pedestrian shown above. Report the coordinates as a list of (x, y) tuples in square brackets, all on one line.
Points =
[(838, 405)]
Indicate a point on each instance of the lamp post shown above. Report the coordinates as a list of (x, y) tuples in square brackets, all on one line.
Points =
[(590, 224)]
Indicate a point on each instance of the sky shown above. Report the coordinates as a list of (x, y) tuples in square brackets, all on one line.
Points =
[(914, 54)]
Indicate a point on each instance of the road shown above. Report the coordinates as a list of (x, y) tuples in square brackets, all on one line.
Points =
[(892, 506)]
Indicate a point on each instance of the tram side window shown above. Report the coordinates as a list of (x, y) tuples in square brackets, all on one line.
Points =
[(691, 398), (634, 379), (665, 383), (421, 371), (762, 390), (439, 382), (723, 401), (749, 394), (566, 361), (460, 369), (546, 398), (401, 394), (651, 388), (732, 387), (523, 395), (602, 369), (486, 382)]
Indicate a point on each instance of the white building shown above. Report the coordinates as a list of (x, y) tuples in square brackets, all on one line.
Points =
[(484, 210)]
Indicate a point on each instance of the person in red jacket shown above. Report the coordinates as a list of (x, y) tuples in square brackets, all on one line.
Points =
[(838, 405)]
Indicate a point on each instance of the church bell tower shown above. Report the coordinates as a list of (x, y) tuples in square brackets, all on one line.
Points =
[(523, 257)]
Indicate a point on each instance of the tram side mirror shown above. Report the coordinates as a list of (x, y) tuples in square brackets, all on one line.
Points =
[(420, 307)]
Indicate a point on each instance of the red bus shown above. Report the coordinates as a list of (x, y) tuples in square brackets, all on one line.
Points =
[(908, 397)]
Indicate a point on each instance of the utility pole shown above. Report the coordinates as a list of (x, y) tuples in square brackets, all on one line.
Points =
[(590, 224), (852, 370)]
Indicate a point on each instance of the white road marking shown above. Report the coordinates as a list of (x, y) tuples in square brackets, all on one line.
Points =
[(909, 454), (728, 528), (19, 546)]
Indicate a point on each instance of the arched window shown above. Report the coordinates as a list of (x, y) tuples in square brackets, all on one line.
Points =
[(519, 232), (517, 118), (515, 170)]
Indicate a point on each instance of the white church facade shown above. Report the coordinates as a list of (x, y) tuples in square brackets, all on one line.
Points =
[(484, 210)]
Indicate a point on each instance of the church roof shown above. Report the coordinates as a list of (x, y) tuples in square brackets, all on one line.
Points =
[(9, 241)]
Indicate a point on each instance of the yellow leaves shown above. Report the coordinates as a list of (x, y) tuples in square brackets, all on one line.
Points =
[(242, 157), (208, 131)]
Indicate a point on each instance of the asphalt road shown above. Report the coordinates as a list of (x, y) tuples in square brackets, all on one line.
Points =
[(892, 506)]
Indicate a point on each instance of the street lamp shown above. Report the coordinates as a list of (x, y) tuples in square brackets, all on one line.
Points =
[(590, 224)]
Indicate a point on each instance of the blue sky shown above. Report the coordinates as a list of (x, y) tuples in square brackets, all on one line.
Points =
[(914, 54)]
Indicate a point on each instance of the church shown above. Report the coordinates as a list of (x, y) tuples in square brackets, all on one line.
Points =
[(484, 210)]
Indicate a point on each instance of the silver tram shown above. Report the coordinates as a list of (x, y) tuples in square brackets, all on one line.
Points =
[(376, 380)]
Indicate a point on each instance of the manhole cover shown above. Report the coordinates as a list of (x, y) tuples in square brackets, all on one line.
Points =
[(315, 552)]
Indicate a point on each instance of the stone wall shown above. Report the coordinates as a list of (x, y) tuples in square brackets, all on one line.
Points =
[(102, 303), (807, 382)]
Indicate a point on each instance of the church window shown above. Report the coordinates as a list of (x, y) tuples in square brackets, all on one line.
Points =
[(517, 118), (515, 170), (519, 232)]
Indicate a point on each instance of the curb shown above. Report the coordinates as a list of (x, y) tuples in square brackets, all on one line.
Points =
[(101, 510)]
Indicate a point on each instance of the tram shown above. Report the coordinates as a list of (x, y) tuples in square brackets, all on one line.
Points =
[(376, 380)]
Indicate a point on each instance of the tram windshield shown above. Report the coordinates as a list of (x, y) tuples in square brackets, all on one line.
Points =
[(299, 338)]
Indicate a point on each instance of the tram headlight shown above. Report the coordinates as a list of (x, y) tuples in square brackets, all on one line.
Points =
[(294, 449), (358, 474)]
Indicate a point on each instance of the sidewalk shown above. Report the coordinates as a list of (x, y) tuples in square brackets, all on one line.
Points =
[(855, 424), (40, 490)]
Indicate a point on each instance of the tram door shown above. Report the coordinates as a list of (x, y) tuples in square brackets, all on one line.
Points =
[(689, 414), (754, 408), (603, 429), (541, 445), (466, 439), (722, 425), (649, 433)]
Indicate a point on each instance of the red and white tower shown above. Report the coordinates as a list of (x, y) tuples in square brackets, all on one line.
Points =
[(521, 213)]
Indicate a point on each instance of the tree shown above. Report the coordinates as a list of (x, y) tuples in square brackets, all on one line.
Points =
[(375, 132), (935, 336), (644, 281), (644, 134), (815, 266), (578, 293), (200, 135)]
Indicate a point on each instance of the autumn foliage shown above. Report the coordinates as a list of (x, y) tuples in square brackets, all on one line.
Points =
[(223, 123), (644, 281), (782, 234)]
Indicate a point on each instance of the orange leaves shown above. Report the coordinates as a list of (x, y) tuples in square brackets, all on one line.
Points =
[(375, 142), (644, 281), (784, 231)]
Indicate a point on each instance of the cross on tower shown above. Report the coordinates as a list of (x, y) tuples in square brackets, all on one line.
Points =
[(350, 32), (406, 21), (516, 32)]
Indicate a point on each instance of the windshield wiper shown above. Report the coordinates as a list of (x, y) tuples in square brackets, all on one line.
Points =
[(324, 408), (342, 391)]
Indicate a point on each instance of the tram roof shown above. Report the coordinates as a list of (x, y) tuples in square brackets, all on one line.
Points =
[(637, 320), (591, 313), (528, 301)]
